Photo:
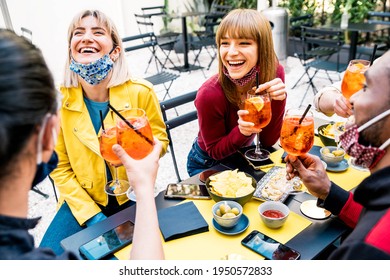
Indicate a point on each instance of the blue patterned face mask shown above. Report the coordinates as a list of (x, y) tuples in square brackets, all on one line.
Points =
[(94, 72)]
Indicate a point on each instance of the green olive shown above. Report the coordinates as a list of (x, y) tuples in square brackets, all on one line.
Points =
[(224, 208), (338, 152), (228, 215), (235, 211)]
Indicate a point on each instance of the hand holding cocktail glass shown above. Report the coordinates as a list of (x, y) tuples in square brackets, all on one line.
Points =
[(107, 139), (297, 133), (258, 105), (297, 138), (133, 132)]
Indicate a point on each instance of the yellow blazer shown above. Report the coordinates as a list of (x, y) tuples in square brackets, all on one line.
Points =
[(81, 172)]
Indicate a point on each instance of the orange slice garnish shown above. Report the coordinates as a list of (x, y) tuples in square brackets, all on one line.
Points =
[(258, 102)]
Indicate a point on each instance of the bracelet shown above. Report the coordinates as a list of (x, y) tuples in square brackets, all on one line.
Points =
[(318, 102)]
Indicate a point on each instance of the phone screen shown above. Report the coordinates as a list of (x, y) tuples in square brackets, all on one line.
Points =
[(268, 247), (187, 191), (109, 242)]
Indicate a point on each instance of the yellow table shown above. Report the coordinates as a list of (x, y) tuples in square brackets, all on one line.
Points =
[(213, 245)]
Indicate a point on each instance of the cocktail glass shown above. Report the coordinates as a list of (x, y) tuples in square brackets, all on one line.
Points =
[(107, 139), (259, 107), (297, 136), (354, 79), (135, 136)]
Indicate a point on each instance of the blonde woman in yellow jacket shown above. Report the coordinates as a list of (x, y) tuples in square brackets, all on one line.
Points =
[(96, 74)]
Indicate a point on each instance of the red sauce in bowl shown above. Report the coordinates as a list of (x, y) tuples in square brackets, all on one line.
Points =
[(273, 214)]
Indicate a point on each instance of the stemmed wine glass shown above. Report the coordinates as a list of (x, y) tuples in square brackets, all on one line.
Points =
[(259, 107), (297, 138), (107, 139), (354, 79), (134, 135)]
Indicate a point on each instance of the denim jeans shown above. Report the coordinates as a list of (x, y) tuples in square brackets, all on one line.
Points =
[(198, 160), (63, 225)]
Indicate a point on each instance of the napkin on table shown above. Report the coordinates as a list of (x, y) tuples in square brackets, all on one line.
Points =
[(181, 220)]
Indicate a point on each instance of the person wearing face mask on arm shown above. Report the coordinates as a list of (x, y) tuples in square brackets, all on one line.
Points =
[(367, 210), (245, 46), (96, 75)]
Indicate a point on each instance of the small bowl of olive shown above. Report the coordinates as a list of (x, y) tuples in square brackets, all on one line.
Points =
[(332, 155), (227, 213)]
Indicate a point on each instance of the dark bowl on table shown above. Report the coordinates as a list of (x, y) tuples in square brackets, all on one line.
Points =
[(241, 199), (326, 140)]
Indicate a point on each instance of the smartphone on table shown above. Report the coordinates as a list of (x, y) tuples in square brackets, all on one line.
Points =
[(268, 247), (109, 242), (186, 191)]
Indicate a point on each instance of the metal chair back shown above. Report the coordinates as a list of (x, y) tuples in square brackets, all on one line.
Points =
[(149, 40), (177, 121)]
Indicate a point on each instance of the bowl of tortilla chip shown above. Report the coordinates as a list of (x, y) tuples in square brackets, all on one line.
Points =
[(328, 131), (231, 185)]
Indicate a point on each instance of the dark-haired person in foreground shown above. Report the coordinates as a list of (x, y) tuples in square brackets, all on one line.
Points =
[(367, 210), (28, 132)]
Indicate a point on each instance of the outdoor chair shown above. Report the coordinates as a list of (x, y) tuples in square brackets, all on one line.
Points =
[(154, 10), (324, 47), (295, 33), (177, 121), (216, 8), (380, 38), (205, 40), (166, 41), (161, 76), (27, 33), (45, 195)]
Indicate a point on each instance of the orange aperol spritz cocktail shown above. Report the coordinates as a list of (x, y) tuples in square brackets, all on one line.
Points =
[(136, 138), (107, 139), (259, 107), (354, 79), (297, 134)]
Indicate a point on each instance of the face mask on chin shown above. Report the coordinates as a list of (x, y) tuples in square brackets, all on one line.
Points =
[(367, 157), (94, 72), (244, 80)]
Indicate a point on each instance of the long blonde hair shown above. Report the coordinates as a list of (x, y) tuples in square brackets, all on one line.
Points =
[(248, 24), (120, 71)]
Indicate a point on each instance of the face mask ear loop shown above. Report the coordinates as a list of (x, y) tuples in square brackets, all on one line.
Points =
[(374, 120), (113, 48), (40, 137), (384, 145)]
